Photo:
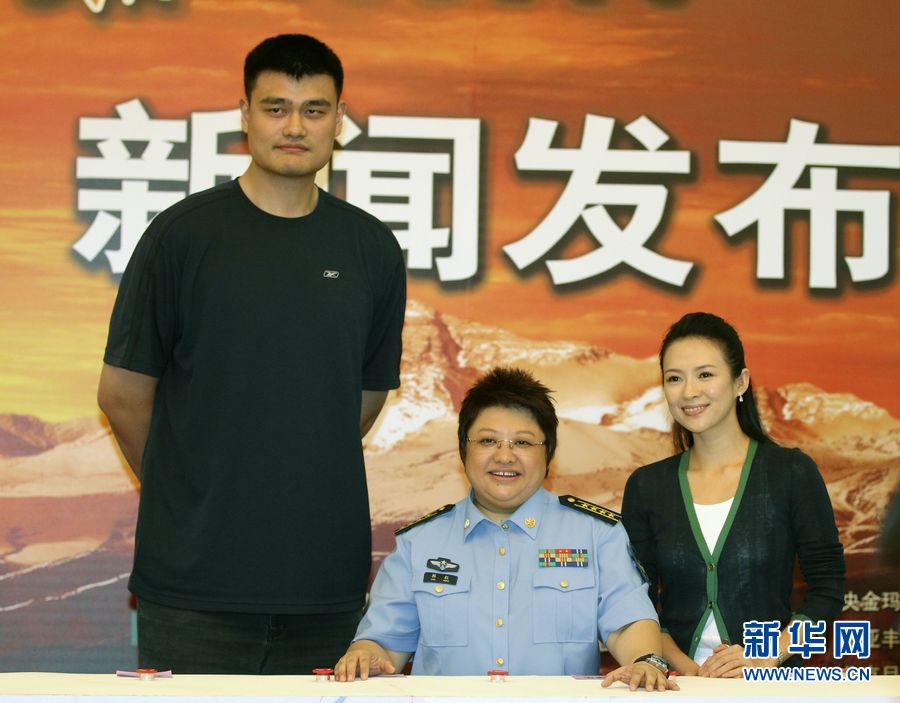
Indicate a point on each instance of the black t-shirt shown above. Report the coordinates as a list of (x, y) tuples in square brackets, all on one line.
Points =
[(263, 331)]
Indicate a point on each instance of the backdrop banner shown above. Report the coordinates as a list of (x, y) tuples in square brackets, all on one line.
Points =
[(566, 177)]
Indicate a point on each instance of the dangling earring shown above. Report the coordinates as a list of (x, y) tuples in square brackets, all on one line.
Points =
[(741, 398)]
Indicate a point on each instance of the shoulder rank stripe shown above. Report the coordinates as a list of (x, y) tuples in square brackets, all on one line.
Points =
[(425, 518), (610, 516)]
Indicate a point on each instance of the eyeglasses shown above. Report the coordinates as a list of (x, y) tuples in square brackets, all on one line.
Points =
[(492, 444)]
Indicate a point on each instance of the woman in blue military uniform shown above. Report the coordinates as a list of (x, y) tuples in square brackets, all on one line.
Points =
[(512, 577)]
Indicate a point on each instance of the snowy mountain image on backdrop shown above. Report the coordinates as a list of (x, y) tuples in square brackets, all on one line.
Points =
[(68, 506)]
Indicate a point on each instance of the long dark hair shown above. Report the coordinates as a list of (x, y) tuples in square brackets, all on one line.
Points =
[(712, 327)]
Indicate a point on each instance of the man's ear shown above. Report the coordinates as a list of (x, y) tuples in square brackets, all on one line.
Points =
[(245, 113), (339, 118)]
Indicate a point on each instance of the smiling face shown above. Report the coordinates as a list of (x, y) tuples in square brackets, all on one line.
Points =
[(502, 477), (291, 124), (699, 388)]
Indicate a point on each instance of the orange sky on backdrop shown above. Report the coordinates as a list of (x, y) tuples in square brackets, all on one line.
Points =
[(703, 71)]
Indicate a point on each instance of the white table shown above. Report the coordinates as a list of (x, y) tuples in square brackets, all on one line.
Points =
[(102, 688)]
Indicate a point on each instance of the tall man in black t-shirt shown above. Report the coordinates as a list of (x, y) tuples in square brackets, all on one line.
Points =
[(254, 339)]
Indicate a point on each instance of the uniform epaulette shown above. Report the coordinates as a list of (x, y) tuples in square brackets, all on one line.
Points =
[(425, 518), (610, 516)]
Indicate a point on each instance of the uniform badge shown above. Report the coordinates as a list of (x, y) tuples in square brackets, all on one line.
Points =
[(638, 565), (598, 511), (441, 564), (425, 518), (563, 557), (449, 579)]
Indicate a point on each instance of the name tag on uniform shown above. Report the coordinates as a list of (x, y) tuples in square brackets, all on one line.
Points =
[(449, 579), (563, 557)]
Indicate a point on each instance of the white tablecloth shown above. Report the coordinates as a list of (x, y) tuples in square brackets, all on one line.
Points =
[(84, 688)]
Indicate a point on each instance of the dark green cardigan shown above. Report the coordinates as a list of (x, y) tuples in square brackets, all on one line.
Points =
[(781, 511)]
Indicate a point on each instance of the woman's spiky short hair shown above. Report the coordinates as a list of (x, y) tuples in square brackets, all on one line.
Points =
[(514, 388)]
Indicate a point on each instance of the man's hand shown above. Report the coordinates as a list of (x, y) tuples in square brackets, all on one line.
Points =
[(640, 675), (366, 657)]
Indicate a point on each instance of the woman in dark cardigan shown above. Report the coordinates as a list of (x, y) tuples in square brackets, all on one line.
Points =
[(718, 527)]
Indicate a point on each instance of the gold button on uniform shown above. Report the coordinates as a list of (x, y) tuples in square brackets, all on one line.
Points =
[(438, 589), (500, 585), (505, 526), (499, 622), (466, 524), (501, 551), (500, 661), (564, 584)]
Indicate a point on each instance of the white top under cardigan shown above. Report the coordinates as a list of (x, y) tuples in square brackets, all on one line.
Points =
[(712, 520)]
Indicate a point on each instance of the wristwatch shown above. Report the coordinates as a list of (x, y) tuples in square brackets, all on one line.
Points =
[(656, 660)]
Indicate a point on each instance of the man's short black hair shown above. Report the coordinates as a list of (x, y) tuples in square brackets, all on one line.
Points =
[(509, 388), (297, 55)]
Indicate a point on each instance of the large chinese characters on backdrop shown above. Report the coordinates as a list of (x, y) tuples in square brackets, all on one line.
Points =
[(559, 203), (406, 196)]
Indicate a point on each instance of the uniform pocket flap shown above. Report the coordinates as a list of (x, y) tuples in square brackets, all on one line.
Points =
[(564, 580)]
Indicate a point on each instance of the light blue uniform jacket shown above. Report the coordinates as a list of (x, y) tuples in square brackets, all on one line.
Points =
[(468, 595)]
